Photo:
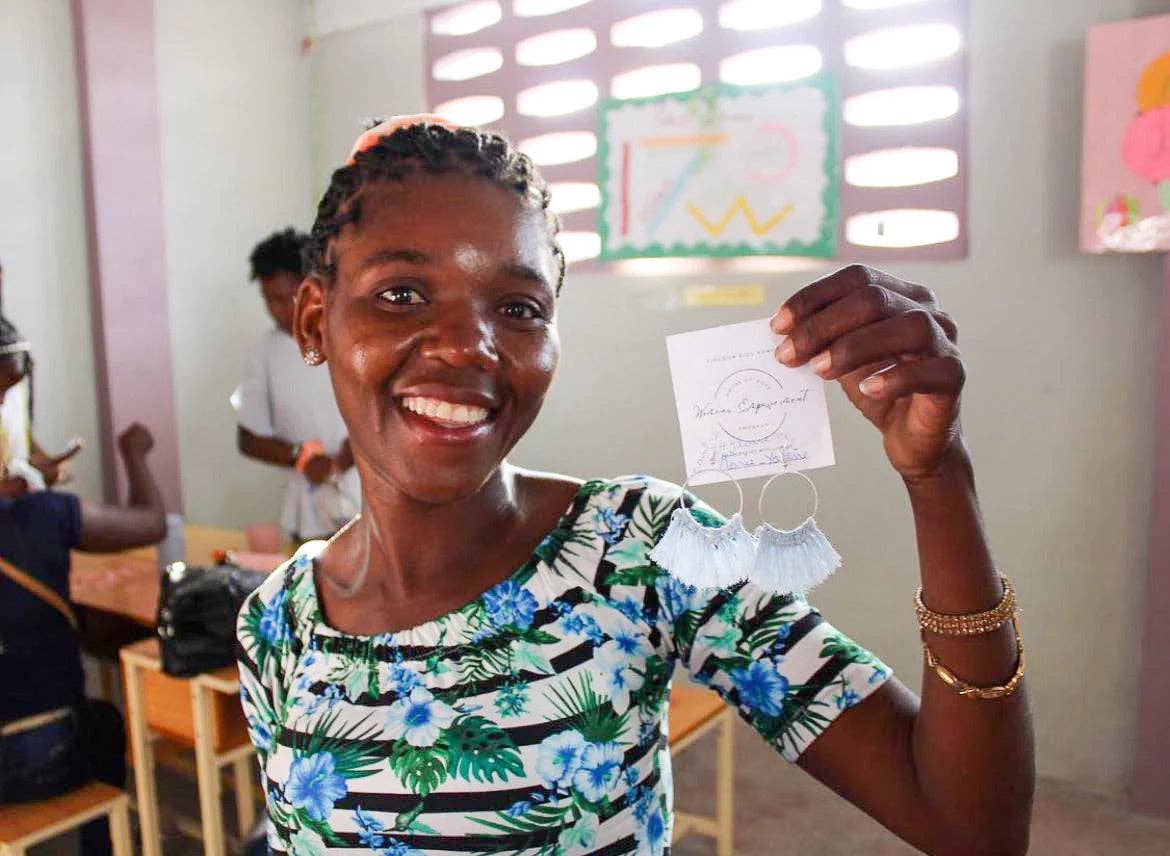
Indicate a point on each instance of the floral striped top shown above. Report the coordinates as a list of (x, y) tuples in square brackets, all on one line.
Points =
[(532, 720)]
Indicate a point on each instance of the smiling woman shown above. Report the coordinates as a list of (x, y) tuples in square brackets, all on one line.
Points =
[(481, 660)]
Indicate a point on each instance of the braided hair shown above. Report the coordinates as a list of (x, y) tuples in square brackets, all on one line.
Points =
[(425, 149)]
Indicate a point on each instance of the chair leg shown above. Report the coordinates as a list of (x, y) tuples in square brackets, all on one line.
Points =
[(145, 792), (724, 787), (120, 829), (245, 804), (207, 771)]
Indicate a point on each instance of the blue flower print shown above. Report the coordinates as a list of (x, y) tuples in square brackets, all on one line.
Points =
[(518, 808), (760, 687), (677, 597), (651, 834), (879, 674), (419, 718), (401, 678), (632, 644), (617, 674), (559, 757), (631, 776), (313, 786), (273, 621), (601, 768), (510, 603), (576, 624), (847, 698), (369, 829), (631, 609), (260, 733), (397, 848), (609, 525), (562, 607)]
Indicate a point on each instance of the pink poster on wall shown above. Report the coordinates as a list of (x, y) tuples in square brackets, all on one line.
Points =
[(1125, 161)]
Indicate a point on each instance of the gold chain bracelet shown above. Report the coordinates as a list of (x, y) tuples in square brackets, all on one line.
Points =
[(967, 690), (972, 624)]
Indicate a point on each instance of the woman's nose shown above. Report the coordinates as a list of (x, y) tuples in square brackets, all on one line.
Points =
[(462, 340)]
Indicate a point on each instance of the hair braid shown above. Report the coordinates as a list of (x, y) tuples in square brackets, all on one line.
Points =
[(427, 149)]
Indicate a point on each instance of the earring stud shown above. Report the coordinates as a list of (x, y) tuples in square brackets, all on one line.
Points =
[(312, 356)]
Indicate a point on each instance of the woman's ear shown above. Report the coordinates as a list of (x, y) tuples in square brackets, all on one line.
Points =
[(308, 325)]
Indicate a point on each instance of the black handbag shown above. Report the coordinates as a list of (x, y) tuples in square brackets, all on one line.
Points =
[(197, 609)]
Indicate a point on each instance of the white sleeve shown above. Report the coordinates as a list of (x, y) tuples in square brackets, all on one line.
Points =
[(251, 400)]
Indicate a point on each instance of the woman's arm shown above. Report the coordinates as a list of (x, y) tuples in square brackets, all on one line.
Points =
[(281, 453), (948, 774), (142, 521)]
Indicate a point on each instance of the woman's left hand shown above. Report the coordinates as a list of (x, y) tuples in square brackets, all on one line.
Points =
[(894, 352)]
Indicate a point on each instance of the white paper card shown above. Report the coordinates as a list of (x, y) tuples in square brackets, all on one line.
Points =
[(742, 411)]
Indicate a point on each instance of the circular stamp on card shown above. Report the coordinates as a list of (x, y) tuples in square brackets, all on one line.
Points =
[(749, 405)]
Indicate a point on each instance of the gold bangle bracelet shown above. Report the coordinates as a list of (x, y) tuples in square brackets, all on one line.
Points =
[(967, 690), (971, 624)]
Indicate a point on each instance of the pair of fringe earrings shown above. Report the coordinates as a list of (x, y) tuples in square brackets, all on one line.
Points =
[(777, 560)]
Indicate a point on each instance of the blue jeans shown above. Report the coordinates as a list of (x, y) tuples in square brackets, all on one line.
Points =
[(63, 755)]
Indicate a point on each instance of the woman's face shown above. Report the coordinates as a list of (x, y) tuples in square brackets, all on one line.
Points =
[(439, 330)]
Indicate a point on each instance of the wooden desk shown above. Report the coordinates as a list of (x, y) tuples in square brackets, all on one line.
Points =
[(127, 583), (203, 711)]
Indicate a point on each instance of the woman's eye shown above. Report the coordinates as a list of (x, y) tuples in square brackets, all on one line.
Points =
[(522, 310), (402, 295)]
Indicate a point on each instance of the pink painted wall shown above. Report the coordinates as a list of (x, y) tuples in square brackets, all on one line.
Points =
[(118, 89)]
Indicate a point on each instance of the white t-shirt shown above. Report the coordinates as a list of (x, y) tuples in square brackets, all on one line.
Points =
[(16, 436), (283, 397)]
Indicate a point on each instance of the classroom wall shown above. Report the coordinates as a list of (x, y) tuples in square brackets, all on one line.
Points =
[(1060, 349), (43, 239), (235, 141)]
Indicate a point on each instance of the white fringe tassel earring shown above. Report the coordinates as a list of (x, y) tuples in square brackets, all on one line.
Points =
[(705, 556), (792, 560)]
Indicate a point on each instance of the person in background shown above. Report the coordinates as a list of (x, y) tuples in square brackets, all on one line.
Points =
[(52, 738), (285, 410), (21, 457)]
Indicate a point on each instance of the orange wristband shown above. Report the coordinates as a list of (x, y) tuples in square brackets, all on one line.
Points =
[(309, 450)]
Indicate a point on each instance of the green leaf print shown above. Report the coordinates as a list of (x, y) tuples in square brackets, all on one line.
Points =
[(404, 820), (651, 516), (421, 768), (479, 750), (643, 575), (586, 711), (838, 644), (766, 633), (649, 697), (354, 753), (259, 648)]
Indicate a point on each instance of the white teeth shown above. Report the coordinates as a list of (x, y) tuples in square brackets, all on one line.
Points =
[(446, 411)]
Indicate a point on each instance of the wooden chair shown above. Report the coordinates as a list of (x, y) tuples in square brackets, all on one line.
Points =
[(203, 712), (695, 712), (24, 825)]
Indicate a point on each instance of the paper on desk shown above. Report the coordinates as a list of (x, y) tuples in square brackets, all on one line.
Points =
[(740, 410)]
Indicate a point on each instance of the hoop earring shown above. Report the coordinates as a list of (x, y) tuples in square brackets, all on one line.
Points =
[(705, 556), (792, 560)]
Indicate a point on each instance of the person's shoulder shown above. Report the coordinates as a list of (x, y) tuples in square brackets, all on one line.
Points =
[(644, 487), (292, 580)]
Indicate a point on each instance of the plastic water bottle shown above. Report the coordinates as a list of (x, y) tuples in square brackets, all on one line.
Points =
[(173, 547)]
